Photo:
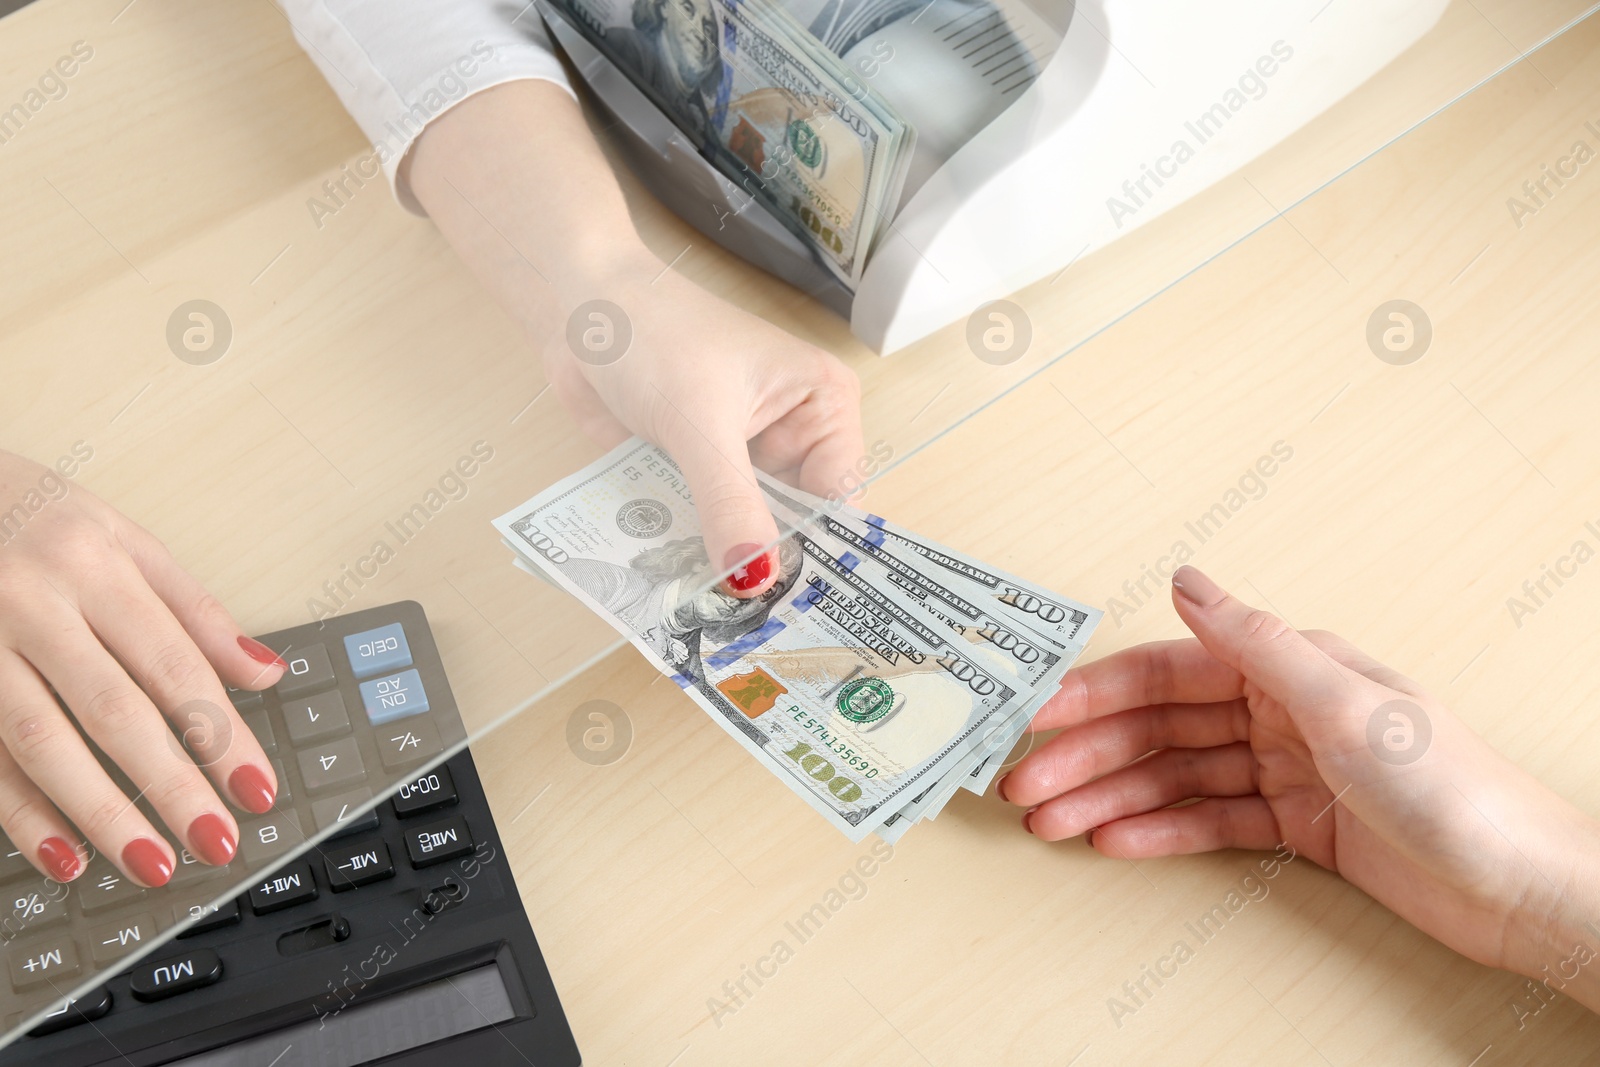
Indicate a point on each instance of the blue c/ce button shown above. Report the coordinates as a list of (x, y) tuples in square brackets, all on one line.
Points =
[(375, 651), (393, 697)]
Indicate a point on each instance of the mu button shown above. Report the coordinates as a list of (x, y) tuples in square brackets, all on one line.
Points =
[(175, 974)]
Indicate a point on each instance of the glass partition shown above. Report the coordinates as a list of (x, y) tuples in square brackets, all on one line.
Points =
[(312, 444)]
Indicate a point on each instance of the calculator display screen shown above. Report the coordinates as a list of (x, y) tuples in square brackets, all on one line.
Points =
[(366, 1032)]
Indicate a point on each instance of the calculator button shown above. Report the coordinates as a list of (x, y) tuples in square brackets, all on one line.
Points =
[(288, 887), (211, 916), (271, 835), (337, 809), (35, 904), (109, 942), (350, 866), (330, 766), (437, 841), (43, 960), (84, 1009), (408, 742), (261, 726), (13, 864), (393, 696), (243, 699), (102, 886), (315, 718), (309, 672), (189, 869), (376, 651), (175, 974), (432, 790)]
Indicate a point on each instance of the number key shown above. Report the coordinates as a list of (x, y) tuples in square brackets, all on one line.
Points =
[(315, 718), (331, 766), (309, 672), (432, 790), (272, 835)]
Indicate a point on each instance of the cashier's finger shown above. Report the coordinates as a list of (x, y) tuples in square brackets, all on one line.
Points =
[(238, 659), (817, 444), (1161, 672), (1212, 824), (51, 752), (151, 644), (35, 828), (738, 528)]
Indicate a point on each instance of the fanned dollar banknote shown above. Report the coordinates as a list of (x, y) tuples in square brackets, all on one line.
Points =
[(879, 675)]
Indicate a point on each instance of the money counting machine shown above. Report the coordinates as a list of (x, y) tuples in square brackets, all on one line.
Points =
[(1120, 111)]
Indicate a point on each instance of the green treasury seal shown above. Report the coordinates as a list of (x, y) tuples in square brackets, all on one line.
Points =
[(865, 700)]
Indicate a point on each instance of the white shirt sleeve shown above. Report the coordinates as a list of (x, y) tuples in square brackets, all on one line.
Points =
[(399, 64)]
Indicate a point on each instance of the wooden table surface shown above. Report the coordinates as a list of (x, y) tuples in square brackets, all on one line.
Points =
[(364, 362)]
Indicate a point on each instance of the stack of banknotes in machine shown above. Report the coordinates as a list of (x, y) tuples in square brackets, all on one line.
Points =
[(881, 672), (769, 106)]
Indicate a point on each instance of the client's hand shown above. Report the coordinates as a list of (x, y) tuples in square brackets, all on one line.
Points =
[(1301, 738), (701, 378), (94, 608)]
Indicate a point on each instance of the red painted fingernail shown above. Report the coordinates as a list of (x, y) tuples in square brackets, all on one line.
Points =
[(748, 573), (59, 858), (1000, 788), (251, 790), (261, 653), (147, 862), (211, 840), (1088, 838), (1026, 825)]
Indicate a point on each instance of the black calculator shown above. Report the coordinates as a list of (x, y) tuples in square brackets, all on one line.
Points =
[(399, 940)]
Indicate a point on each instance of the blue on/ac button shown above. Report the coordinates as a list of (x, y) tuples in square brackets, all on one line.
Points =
[(375, 651), (394, 697)]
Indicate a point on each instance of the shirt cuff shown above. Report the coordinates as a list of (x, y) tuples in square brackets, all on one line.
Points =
[(394, 115)]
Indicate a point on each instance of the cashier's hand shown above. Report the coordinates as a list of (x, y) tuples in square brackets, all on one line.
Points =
[(95, 608), (1301, 738), (702, 378)]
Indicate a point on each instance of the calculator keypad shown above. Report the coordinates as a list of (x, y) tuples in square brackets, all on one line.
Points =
[(336, 730)]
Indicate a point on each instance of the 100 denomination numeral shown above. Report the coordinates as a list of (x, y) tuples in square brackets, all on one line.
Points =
[(818, 767)]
